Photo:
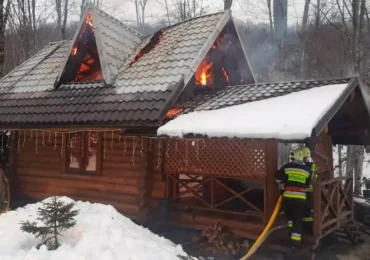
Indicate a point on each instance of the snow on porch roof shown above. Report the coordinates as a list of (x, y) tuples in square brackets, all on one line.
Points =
[(290, 117)]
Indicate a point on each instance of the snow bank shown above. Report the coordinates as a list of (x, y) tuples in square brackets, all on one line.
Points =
[(289, 117), (101, 233)]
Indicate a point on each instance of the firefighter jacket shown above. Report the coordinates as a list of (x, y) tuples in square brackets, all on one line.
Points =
[(312, 167), (296, 178)]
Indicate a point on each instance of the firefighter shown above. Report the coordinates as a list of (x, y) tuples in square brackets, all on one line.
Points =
[(295, 176), (308, 210)]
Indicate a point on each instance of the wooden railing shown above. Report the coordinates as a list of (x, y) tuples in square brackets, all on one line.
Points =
[(213, 194), (333, 205)]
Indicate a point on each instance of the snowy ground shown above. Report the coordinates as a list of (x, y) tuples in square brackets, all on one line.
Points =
[(101, 233)]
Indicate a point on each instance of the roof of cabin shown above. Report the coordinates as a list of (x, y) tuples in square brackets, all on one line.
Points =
[(140, 94), (291, 111), (236, 95)]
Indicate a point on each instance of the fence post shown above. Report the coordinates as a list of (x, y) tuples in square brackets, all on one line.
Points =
[(317, 209)]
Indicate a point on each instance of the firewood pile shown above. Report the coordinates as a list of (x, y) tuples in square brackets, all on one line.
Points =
[(217, 239)]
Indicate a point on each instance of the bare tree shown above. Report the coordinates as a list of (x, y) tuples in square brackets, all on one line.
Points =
[(281, 26), (4, 14), (140, 6), (304, 38), (62, 17)]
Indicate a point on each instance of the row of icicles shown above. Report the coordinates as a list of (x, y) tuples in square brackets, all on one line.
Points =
[(47, 136)]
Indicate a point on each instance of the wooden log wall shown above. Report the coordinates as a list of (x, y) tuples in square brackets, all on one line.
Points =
[(121, 182)]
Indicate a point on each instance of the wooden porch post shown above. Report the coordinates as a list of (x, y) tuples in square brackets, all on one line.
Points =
[(271, 187)]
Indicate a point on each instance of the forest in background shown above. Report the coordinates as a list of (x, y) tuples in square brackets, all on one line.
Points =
[(330, 40)]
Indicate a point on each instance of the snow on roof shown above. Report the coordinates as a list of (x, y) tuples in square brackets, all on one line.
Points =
[(100, 233), (289, 117)]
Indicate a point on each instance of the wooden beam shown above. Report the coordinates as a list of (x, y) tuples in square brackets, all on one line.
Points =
[(271, 187), (350, 131)]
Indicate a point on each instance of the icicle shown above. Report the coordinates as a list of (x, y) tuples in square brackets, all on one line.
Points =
[(124, 146), (89, 142), (19, 143), (55, 141), (159, 153), (7, 141), (150, 144), (134, 143), (83, 144), (142, 147), (61, 149), (69, 141), (111, 144), (36, 142), (30, 135), (43, 138), (24, 137), (49, 137), (105, 143), (119, 136)]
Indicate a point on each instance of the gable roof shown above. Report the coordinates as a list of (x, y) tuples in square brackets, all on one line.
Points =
[(115, 42), (140, 95), (290, 111)]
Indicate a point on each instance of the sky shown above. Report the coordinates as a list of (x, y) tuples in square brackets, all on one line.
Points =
[(254, 11)]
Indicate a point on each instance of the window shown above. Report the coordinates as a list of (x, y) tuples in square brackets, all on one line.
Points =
[(83, 153)]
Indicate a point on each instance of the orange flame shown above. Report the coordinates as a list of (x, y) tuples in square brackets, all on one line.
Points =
[(173, 112), (74, 50), (203, 73), (89, 20), (226, 75)]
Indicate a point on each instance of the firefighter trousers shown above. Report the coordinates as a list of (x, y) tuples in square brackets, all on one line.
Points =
[(293, 209)]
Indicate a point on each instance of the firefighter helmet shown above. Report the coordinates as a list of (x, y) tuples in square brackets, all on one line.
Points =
[(297, 154), (306, 152)]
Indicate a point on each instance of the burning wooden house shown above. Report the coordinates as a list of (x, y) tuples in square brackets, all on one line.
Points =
[(83, 117)]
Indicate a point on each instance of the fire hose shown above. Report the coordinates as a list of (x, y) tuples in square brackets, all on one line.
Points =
[(7, 187), (266, 232)]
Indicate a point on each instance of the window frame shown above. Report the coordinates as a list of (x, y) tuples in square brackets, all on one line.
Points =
[(67, 155)]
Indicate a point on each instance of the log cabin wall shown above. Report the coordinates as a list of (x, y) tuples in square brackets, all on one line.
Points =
[(120, 179)]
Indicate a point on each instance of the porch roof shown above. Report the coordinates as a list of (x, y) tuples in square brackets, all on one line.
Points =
[(293, 116)]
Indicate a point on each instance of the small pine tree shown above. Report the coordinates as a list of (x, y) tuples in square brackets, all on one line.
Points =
[(56, 217)]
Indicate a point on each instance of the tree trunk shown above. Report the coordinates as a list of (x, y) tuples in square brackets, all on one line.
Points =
[(359, 160), (65, 19), (4, 13), (58, 9), (227, 4), (350, 160), (340, 170), (268, 2), (304, 66), (281, 25)]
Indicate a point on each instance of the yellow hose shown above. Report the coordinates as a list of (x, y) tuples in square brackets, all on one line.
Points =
[(267, 228)]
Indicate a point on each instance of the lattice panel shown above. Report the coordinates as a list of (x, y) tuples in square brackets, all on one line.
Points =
[(218, 157), (324, 148)]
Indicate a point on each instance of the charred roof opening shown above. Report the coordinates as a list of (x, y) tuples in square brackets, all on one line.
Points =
[(154, 40), (225, 63), (83, 62)]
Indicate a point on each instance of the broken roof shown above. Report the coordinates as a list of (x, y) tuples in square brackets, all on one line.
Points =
[(140, 93)]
